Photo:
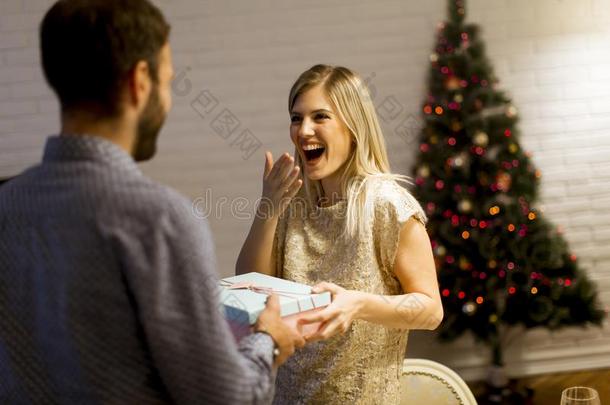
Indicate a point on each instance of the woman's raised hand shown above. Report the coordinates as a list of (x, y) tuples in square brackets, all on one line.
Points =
[(280, 183)]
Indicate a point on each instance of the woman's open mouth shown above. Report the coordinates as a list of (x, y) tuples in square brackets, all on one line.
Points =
[(313, 153)]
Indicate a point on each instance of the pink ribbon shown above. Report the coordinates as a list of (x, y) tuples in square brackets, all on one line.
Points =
[(265, 290)]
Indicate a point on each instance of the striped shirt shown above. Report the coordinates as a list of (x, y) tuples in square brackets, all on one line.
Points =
[(108, 290)]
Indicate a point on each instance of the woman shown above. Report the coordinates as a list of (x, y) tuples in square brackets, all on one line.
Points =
[(351, 230)]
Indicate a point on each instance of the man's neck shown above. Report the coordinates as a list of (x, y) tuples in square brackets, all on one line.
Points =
[(112, 130)]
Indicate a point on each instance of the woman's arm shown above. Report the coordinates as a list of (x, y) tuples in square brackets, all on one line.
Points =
[(419, 308), (280, 184), (257, 252)]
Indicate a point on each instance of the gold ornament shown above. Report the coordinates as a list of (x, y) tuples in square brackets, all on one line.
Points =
[(504, 181), (511, 111), (440, 250), (458, 98), (458, 161), (433, 139), (464, 263), (481, 139), (464, 206), (452, 83), (423, 171), (513, 148), (433, 57), (469, 308), (456, 126)]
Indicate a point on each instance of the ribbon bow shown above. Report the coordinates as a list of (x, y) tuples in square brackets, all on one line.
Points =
[(266, 290)]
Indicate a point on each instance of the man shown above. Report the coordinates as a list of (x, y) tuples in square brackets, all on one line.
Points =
[(107, 281)]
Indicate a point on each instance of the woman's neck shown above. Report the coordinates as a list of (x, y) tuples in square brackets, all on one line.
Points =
[(331, 192)]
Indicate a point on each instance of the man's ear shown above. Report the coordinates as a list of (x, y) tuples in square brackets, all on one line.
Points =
[(139, 85)]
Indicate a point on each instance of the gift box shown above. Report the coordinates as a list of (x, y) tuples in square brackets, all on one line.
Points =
[(244, 298)]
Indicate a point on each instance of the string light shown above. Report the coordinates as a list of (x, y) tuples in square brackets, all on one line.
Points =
[(479, 300), (534, 290), (465, 235)]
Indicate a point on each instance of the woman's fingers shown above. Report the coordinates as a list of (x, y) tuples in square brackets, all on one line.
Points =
[(278, 167), (290, 180), (285, 169), (294, 188), (327, 330), (268, 163)]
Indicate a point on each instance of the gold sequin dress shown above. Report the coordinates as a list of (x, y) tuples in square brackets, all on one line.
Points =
[(363, 365)]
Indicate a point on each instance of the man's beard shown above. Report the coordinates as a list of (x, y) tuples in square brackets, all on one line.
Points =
[(149, 125)]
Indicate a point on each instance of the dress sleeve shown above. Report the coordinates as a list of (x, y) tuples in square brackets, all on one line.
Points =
[(394, 205), (170, 270)]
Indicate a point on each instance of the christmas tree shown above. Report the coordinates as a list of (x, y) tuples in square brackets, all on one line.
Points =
[(500, 262)]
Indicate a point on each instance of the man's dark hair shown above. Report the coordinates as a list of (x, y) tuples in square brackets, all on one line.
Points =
[(88, 47)]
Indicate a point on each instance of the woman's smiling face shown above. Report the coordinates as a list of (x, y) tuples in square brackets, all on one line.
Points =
[(320, 136)]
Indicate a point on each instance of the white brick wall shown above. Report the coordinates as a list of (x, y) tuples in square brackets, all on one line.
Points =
[(551, 56)]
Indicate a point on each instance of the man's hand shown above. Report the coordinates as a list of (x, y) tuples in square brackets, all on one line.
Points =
[(286, 339)]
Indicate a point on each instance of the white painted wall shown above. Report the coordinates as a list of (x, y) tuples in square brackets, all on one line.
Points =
[(551, 55)]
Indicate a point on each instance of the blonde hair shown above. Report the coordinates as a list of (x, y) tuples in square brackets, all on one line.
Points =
[(351, 100)]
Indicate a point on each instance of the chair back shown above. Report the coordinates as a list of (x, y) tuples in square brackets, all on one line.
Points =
[(426, 382)]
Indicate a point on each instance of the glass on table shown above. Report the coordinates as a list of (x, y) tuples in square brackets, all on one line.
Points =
[(580, 396)]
